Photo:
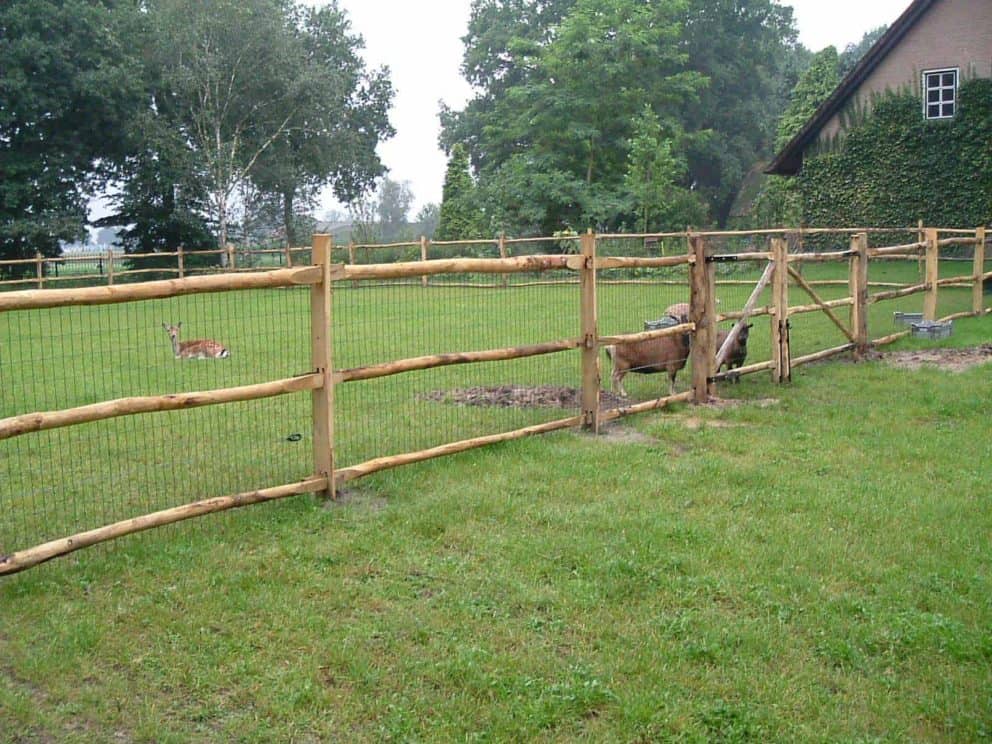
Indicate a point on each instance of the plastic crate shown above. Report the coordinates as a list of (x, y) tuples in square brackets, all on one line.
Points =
[(899, 318), (932, 329)]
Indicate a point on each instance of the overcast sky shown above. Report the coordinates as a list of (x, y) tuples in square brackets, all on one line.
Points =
[(424, 51)]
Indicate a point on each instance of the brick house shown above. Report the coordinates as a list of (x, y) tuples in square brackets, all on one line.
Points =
[(932, 48)]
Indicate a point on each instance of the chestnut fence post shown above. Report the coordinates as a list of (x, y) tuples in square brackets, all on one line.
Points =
[(932, 261), (590, 334), (423, 257), (320, 340), (702, 312), (502, 254), (181, 261), (859, 293), (779, 319), (977, 303)]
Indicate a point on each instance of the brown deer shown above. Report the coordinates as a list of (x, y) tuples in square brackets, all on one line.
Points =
[(200, 349)]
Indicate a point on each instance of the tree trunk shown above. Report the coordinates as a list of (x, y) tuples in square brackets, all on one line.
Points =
[(287, 215)]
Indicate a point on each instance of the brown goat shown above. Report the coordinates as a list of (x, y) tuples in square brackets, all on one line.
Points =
[(665, 354), (738, 350)]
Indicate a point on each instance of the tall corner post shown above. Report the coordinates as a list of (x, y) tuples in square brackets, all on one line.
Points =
[(932, 266), (859, 294), (590, 334), (779, 319), (977, 288), (702, 312), (320, 342)]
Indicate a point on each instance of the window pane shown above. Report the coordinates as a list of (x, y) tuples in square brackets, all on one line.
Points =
[(949, 78), (933, 80), (933, 96), (947, 109), (933, 112)]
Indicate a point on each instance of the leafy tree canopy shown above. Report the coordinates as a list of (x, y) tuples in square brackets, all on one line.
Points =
[(69, 82), (560, 86)]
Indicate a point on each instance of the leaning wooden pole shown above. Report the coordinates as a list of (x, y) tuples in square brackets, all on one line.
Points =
[(821, 303), (589, 334), (320, 342), (978, 271), (724, 350)]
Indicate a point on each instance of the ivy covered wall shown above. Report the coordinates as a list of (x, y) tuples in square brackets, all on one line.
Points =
[(895, 167)]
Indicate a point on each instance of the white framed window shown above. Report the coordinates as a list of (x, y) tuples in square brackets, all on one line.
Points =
[(940, 93)]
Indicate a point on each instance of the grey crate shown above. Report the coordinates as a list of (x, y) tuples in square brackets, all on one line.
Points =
[(932, 329), (906, 318), (654, 325)]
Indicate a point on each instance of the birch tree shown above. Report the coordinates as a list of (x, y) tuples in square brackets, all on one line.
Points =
[(234, 70)]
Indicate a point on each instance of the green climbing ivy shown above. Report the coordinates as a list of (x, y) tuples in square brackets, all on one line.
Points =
[(895, 167)]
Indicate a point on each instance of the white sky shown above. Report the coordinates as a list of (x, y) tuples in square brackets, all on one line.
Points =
[(423, 50)]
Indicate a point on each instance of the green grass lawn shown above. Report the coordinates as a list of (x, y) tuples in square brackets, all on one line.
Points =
[(815, 568)]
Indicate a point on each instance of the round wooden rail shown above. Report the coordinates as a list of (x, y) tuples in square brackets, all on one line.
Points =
[(42, 420), (23, 559)]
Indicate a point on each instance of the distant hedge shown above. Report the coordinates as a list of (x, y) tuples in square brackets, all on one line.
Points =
[(895, 167)]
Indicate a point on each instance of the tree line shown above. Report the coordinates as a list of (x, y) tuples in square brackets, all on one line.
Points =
[(183, 110), (206, 119), (624, 114)]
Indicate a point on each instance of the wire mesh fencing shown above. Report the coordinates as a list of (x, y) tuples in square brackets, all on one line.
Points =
[(444, 343)]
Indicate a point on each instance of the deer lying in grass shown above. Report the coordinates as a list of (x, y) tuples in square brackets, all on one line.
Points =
[(199, 349)]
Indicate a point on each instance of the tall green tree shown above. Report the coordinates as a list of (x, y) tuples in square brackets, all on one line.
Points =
[(69, 80), (779, 202), (341, 117), (654, 171), (235, 73), (559, 85), (461, 216), (393, 208), (744, 48), (552, 146), (853, 53)]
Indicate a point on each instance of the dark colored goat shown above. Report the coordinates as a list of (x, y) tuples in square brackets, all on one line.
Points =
[(738, 350)]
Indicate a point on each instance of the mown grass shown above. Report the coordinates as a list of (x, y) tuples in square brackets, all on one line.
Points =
[(816, 569), (813, 569)]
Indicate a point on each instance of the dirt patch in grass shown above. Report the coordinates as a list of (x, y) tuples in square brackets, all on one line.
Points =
[(357, 498), (721, 403), (952, 360), (624, 435), (521, 396)]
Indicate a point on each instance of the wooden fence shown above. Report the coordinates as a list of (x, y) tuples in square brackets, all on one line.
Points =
[(781, 274)]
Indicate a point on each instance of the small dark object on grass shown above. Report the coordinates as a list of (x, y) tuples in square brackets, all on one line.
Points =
[(294, 437)]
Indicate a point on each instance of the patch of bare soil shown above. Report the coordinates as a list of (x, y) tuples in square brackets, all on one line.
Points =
[(720, 403), (356, 498), (520, 396), (952, 360), (624, 435)]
